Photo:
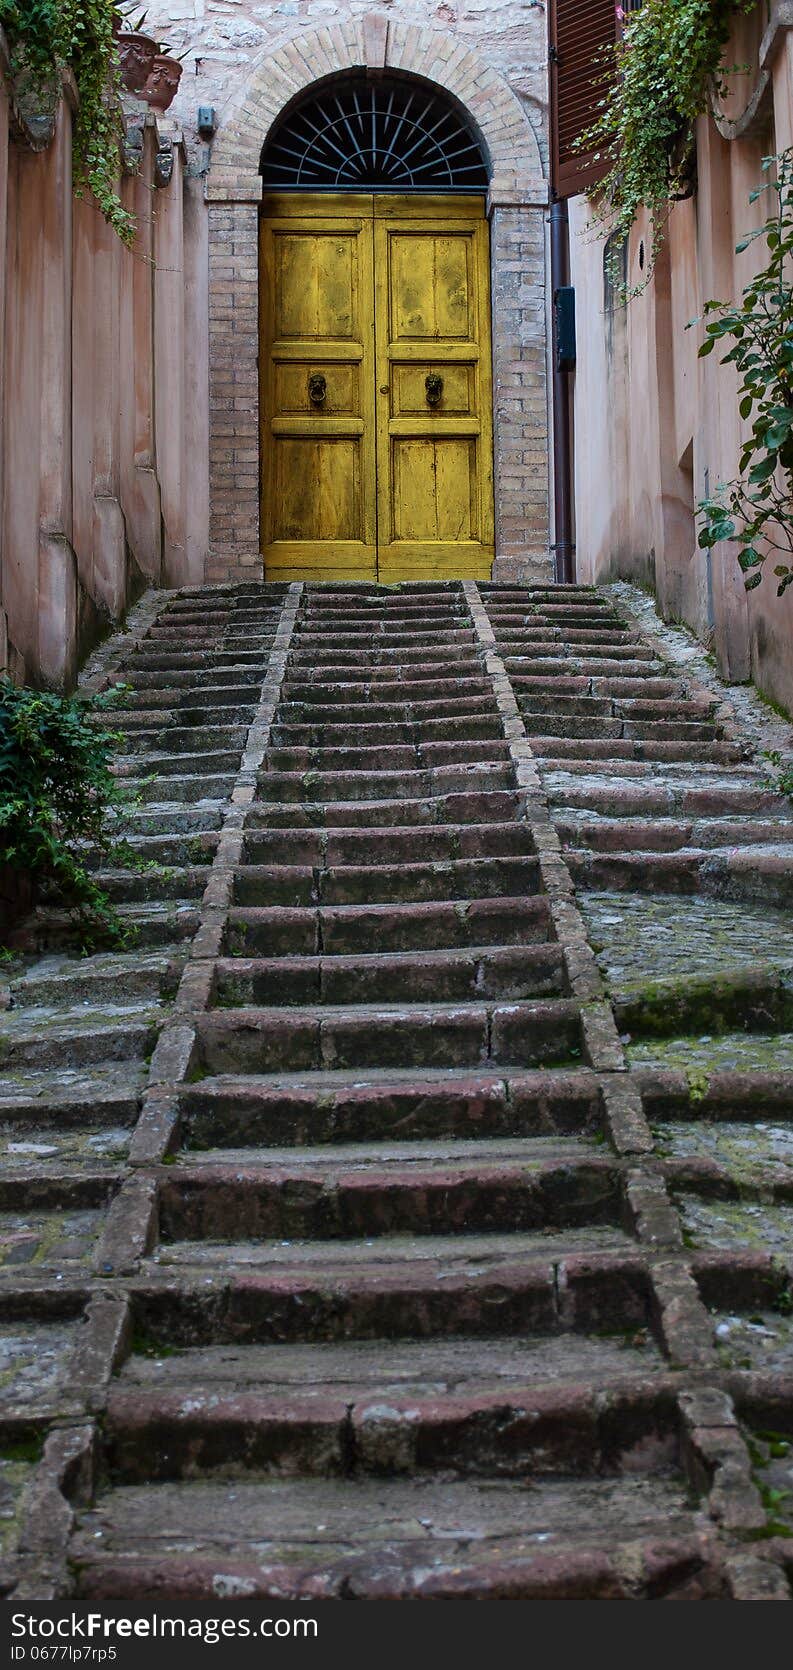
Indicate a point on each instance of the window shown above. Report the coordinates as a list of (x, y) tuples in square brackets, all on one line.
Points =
[(388, 134)]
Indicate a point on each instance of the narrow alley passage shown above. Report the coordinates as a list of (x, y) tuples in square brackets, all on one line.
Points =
[(407, 1212)]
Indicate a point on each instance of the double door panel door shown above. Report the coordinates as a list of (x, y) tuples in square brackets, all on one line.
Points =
[(376, 405)]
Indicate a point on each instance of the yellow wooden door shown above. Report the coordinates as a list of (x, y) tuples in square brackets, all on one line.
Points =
[(376, 388), (434, 399), (319, 515)]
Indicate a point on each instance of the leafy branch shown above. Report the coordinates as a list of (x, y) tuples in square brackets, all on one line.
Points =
[(756, 509)]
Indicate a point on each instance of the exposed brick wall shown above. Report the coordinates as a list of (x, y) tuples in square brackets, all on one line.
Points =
[(233, 391), (520, 384), (491, 58)]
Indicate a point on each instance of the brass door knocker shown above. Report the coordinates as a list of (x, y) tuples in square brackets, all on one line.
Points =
[(434, 386), (317, 389)]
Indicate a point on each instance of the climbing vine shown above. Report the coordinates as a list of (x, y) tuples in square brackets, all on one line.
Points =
[(57, 797), (756, 509), (662, 68), (48, 36)]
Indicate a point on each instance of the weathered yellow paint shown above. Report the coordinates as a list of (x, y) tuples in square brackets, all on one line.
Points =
[(376, 294)]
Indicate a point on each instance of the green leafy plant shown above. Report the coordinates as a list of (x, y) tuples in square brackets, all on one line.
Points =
[(49, 36), (756, 509), (57, 797), (658, 75)]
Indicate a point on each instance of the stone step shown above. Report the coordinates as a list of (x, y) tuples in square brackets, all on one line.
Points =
[(56, 980), (240, 1112), (614, 799), (397, 1540), (426, 976), (759, 872), (385, 785), (256, 1040), (384, 713), (452, 879), (351, 929), (56, 1038), (389, 757), (97, 1096), (417, 733), (383, 1196), (662, 834), (330, 847), (553, 746), (129, 886)]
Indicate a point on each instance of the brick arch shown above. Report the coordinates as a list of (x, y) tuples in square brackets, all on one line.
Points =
[(376, 42)]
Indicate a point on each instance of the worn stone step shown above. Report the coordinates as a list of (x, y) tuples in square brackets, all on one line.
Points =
[(433, 1034), (493, 806), (383, 785), (486, 1430), (350, 929), (194, 847), (377, 1198), (388, 757), (199, 764), (243, 1111), (464, 878), (317, 713), (55, 1038), (555, 746), (329, 847), (129, 886), (56, 980), (516, 972), (416, 733), (398, 1288), (615, 799), (197, 789), (758, 872), (545, 724), (613, 1539), (96, 1096), (661, 834)]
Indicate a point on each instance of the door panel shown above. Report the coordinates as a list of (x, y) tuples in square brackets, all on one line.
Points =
[(319, 517), (434, 446), (370, 477)]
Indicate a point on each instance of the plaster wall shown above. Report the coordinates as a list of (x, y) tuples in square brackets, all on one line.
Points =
[(100, 355), (657, 427)]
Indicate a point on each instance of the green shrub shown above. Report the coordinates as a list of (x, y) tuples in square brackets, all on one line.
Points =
[(57, 796)]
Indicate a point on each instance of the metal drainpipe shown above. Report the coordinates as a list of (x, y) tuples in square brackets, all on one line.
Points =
[(562, 451)]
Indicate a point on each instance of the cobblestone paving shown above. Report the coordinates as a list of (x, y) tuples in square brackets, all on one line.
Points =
[(407, 1213)]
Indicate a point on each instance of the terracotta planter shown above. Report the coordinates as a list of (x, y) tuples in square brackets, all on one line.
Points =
[(164, 76), (137, 54)]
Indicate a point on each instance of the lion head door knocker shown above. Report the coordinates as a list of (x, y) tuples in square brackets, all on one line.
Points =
[(317, 389), (434, 386)]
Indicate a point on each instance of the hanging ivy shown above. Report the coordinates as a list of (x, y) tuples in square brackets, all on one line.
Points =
[(664, 63), (48, 36)]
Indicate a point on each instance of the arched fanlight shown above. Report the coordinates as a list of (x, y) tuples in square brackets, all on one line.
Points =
[(386, 134)]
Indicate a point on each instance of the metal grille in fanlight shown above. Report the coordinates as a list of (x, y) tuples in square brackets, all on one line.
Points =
[(384, 135)]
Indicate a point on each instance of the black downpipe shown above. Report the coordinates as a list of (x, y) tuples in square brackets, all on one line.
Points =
[(562, 450)]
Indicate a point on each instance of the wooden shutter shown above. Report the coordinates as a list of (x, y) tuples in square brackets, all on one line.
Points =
[(580, 29)]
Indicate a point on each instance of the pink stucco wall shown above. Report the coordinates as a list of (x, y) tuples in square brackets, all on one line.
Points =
[(656, 427), (104, 393)]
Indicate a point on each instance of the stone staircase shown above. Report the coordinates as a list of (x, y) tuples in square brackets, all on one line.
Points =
[(407, 1212)]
